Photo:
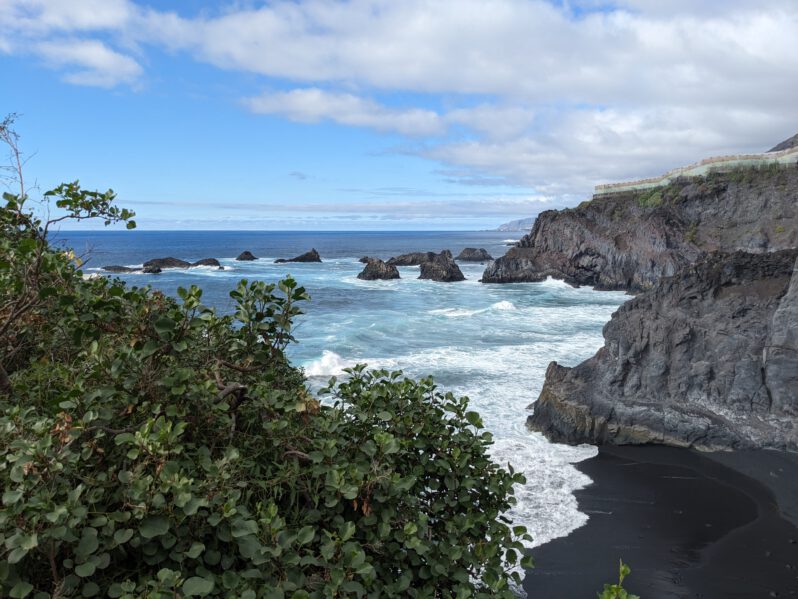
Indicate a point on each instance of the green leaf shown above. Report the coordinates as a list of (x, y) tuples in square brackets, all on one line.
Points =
[(195, 550), (123, 535), (197, 587), (11, 497), (153, 526), (305, 535), (85, 569), (21, 589), (347, 530)]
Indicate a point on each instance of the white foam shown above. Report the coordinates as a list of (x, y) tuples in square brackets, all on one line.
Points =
[(509, 241), (330, 364), (503, 306)]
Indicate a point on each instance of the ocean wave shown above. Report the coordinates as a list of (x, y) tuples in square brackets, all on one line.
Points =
[(330, 364)]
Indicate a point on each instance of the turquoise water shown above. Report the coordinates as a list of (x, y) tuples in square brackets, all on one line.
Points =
[(490, 342)]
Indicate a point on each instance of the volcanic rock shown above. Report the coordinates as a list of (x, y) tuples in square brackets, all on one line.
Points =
[(412, 259), (474, 255), (246, 256), (376, 269), (628, 241), (166, 263), (311, 256), (207, 262), (117, 268), (441, 267), (707, 358)]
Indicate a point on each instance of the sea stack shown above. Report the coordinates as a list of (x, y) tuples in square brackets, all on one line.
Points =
[(376, 270), (441, 268), (311, 256)]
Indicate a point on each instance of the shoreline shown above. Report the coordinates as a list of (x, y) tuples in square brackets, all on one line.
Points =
[(689, 525)]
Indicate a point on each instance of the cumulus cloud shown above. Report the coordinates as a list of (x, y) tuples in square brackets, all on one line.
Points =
[(90, 62), (554, 96), (312, 105)]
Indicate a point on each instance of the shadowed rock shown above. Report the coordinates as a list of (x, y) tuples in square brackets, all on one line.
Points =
[(412, 259), (441, 268), (474, 255), (628, 241), (365, 259), (151, 270), (707, 358), (311, 256), (117, 268), (207, 262), (376, 269), (166, 263), (246, 256)]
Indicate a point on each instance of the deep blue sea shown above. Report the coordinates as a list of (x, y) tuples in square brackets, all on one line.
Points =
[(490, 342)]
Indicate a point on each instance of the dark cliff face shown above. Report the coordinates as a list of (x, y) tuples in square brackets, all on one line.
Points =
[(707, 359), (629, 241)]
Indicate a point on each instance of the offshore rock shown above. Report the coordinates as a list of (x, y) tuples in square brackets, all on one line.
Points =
[(151, 270), (246, 256), (628, 241), (208, 262), (166, 263), (376, 269), (442, 268), (706, 359), (412, 259), (311, 256), (474, 255), (365, 259), (117, 268)]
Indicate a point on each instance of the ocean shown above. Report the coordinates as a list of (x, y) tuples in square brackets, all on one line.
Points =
[(489, 342)]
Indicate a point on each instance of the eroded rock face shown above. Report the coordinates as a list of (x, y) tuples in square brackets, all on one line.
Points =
[(629, 241), (376, 269), (311, 256), (166, 263), (474, 255), (707, 358), (412, 259), (246, 256), (442, 268)]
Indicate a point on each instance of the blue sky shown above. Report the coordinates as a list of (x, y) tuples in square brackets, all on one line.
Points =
[(370, 114)]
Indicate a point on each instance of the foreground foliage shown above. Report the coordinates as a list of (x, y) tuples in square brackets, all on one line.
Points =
[(150, 447)]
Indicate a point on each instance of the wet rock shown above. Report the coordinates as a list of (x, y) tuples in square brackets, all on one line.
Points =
[(166, 263), (412, 259), (442, 268), (207, 262), (246, 256), (117, 268), (376, 269), (311, 256), (474, 255)]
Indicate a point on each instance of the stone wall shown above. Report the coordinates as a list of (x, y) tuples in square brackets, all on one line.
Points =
[(716, 163)]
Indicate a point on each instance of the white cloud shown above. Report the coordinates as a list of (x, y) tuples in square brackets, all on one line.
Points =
[(524, 91), (90, 62), (312, 105)]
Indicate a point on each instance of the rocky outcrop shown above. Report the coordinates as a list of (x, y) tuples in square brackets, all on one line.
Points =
[(474, 255), (166, 263), (786, 144), (365, 259), (117, 268), (246, 256), (442, 268), (412, 259), (207, 262), (311, 256), (628, 241), (707, 358), (376, 270), (151, 270)]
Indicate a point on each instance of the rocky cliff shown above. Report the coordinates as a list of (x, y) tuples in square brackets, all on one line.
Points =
[(628, 241), (706, 359)]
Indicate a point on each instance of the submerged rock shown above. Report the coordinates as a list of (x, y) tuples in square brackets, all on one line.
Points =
[(246, 256), (412, 259), (707, 358), (166, 263), (441, 268), (311, 256), (376, 269), (474, 255)]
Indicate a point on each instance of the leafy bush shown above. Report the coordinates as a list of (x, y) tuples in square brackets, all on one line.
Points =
[(650, 199), (150, 447), (616, 591)]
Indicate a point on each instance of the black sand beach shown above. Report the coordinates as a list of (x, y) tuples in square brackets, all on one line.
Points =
[(689, 524)]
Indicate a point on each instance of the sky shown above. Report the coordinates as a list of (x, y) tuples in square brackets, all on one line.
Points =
[(386, 114)]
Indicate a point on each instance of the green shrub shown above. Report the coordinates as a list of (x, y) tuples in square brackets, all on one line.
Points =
[(150, 447), (650, 199)]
